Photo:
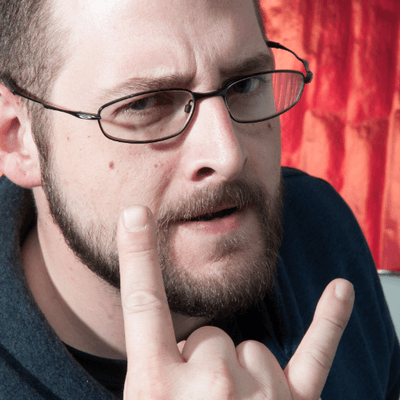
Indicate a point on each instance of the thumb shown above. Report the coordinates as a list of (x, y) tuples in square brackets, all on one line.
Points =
[(309, 367)]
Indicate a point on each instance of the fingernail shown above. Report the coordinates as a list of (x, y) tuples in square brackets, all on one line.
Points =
[(135, 218), (344, 290)]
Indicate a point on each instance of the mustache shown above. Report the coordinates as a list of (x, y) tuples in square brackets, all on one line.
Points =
[(238, 194)]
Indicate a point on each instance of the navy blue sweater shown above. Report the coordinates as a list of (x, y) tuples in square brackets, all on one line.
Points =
[(322, 241)]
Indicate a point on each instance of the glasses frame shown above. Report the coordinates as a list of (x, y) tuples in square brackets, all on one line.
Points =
[(195, 96)]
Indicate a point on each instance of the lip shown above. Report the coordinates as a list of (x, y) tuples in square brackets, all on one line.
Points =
[(214, 211), (222, 225)]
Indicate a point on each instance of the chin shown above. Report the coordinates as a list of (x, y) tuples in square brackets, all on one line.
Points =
[(233, 280)]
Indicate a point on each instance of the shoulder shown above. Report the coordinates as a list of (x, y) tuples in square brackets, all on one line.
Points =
[(304, 191), (320, 230), (323, 241), (318, 217)]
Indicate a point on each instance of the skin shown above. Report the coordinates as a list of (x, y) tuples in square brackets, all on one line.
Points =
[(208, 359), (194, 43), (200, 40)]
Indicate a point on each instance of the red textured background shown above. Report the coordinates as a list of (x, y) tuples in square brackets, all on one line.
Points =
[(346, 128)]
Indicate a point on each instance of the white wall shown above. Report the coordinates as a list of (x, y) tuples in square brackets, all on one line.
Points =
[(391, 288)]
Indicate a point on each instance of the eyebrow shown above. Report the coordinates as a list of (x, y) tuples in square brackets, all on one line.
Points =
[(145, 84), (259, 62)]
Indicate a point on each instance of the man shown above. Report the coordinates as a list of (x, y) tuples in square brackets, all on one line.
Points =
[(186, 141)]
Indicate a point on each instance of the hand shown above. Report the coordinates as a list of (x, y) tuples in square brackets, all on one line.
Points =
[(207, 365)]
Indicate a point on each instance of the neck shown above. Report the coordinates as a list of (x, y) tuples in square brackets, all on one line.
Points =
[(84, 311)]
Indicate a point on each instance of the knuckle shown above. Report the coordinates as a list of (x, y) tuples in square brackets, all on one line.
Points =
[(222, 382), (214, 333), (141, 253), (144, 300), (252, 350), (211, 331), (336, 325), (225, 389), (320, 358), (252, 345), (339, 323)]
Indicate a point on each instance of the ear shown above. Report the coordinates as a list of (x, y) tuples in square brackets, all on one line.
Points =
[(19, 159)]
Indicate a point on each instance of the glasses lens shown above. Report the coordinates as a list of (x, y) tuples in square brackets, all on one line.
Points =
[(262, 96), (147, 117)]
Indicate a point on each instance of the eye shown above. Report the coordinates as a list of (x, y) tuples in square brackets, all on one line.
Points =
[(141, 104), (150, 102), (247, 85)]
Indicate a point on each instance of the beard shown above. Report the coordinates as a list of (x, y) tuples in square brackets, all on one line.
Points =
[(247, 272)]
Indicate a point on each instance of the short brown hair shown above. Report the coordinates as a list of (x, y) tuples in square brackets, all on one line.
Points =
[(30, 46)]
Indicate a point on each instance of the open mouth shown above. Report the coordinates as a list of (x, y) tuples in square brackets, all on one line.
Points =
[(215, 216)]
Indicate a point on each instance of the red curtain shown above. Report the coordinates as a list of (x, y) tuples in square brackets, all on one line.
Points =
[(346, 128)]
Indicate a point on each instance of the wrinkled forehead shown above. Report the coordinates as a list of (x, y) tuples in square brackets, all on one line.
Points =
[(114, 39)]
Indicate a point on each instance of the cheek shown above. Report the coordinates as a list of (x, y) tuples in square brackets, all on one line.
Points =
[(102, 178), (263, 141), (72, 145)]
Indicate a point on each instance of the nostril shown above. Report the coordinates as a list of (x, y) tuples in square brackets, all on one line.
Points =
[(204, 172)]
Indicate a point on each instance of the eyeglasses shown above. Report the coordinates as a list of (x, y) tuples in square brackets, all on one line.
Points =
[(163, 114)]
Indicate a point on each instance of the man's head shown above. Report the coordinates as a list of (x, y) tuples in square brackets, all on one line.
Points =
[(215, 189)]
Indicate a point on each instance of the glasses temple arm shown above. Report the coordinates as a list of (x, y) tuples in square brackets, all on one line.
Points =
[(77, 114), (309, 74)]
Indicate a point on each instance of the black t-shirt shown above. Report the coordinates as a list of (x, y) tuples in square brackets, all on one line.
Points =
[(108, 372)]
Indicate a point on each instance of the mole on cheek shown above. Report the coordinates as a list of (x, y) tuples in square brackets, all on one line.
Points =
[(111, 164), (269, 126)]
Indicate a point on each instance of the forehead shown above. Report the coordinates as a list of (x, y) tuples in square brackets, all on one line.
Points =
[(113, 41)]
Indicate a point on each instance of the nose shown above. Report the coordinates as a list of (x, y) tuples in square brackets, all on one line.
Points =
[(214, 149)]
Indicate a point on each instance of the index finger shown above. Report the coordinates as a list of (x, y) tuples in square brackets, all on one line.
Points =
[(149, 332)]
